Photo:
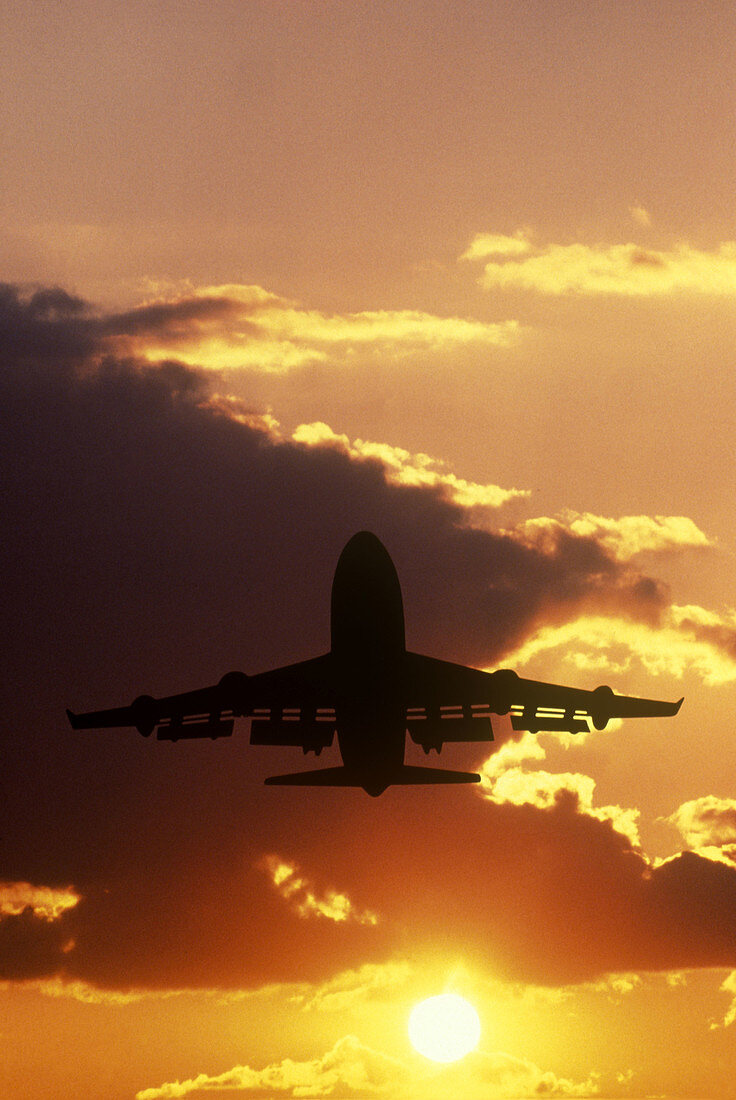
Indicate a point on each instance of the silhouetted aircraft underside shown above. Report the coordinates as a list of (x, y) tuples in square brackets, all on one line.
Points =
[(370, 691)]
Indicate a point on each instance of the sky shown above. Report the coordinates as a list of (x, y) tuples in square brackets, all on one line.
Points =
[(462, 275)]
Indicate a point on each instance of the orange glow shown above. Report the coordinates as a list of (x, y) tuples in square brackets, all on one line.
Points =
[(460, 274)]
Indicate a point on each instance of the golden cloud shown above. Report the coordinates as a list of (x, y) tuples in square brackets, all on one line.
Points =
[(621, 269), (505, 779), (498, 244), (623, 538), (349, 1067), (303, 898), (729, 986), (404, 468), (704, 822), (353, 1069), (687, 639), (47, 902), (353, 986), (233, 326)]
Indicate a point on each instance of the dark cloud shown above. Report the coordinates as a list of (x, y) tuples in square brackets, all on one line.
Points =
[(176, 319), (31, 947), (152, 543)]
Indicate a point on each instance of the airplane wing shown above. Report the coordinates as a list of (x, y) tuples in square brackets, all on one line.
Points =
[(293, 705), (443, 697)]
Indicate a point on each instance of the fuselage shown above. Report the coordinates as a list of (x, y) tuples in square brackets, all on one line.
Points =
[(368, 647)]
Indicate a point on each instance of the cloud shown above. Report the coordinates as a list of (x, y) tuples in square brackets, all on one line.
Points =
[(641, 216), (354, 986), (32, 946), (625, 538), (415, 470), (352, 1069), (34, 936), (707, 821), (349, 1069), (233, 326), (626, 270), (729, 986), (302, 897), (162, 534), (503, 1075), (505, 779), (497, 244), (682, 640), (46, 902)]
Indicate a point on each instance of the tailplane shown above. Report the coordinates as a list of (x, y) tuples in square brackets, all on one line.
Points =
[(407, 774), (323, 777)]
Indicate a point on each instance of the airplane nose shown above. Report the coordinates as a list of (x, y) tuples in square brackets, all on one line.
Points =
[(367, 609)]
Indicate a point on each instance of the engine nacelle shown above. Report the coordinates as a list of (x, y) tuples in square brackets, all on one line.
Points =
[(234, 692), (504, 682), (145, 716), (600, 711)]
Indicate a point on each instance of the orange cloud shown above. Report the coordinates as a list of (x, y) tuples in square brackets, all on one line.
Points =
[(624, 538), (233, 326), (504, 779), (729, 986), (350, 1068), (352, 986), (685, 639), (303, 899), (404, 468), (706, 822), (46, 902), (627, 270)]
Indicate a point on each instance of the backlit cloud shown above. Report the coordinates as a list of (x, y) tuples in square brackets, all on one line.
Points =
[(403, 468), (306, 900), (46, 902), (349, 1069), (706, 821), (234, 326), (192, 537), (620, 269), (684, 639), (354, 986), (729, 986), (624, 538), (505, 778), (352, 1069)]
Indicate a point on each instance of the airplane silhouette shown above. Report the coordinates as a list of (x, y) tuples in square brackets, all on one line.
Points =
[(371, 691)]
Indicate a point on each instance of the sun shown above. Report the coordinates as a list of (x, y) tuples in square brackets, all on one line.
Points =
[(444, 1028)]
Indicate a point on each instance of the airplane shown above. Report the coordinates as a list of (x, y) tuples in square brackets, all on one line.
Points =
[(370, 691)]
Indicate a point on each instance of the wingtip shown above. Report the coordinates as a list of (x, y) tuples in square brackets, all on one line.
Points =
[(72, 719)]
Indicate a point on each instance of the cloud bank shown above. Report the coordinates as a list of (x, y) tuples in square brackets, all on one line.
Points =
[(162, 535)]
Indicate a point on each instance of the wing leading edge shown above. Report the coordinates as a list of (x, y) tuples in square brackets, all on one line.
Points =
[(443, 688), (446, 702), (302, 693)]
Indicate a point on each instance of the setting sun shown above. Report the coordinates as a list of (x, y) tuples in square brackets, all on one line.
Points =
[(444, 1028)]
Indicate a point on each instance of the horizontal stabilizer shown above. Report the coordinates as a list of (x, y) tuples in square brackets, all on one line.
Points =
[(344, 777), (323, 777), (409, 774)]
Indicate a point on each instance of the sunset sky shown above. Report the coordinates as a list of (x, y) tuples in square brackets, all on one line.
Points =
[(464, 275)]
